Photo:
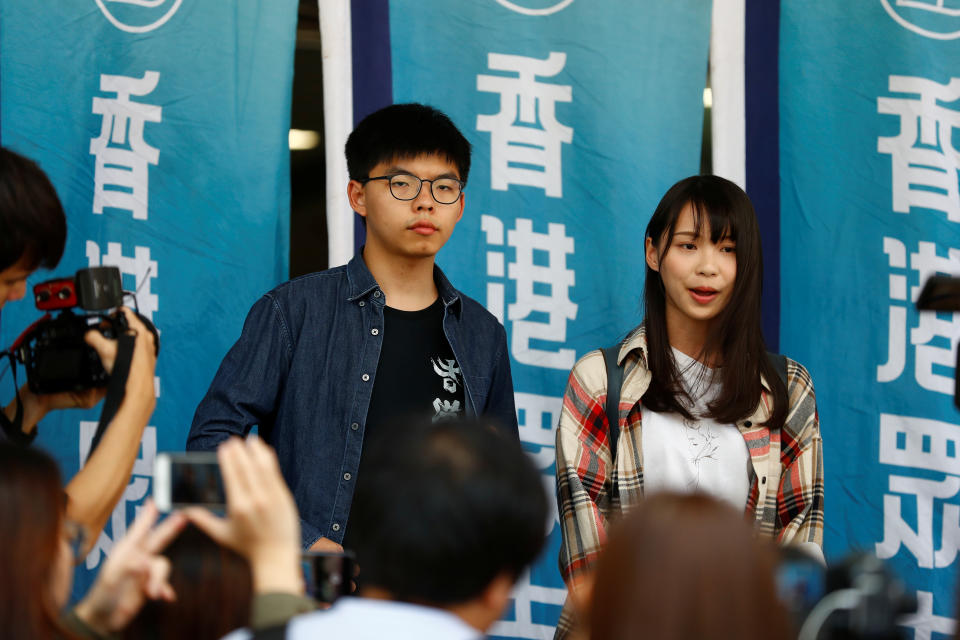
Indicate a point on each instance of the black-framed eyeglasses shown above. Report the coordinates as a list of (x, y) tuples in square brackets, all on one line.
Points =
[(404, 186)]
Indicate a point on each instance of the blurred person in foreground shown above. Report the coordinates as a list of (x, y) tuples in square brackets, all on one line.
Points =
[(450, 515), (34, 231), (686, 566), (39, 545), (213, 585)]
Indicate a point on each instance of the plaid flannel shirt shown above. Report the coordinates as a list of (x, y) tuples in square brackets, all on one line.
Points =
[(786, 495)]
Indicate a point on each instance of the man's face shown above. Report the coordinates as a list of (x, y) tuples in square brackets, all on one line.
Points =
[(415, 228), (13, 281)]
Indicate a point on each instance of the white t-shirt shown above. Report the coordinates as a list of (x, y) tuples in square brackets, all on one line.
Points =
[(695, 456)]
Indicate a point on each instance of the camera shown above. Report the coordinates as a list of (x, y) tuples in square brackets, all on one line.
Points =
[(857, 599), (52, 349)]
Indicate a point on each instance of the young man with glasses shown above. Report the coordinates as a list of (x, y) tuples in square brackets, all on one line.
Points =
[(328, 362)]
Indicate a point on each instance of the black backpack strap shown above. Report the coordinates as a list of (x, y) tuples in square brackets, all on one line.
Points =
[(779, 362), (276, 632), (614, 382)]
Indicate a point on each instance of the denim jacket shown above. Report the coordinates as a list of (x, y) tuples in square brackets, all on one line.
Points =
[(303, 371)]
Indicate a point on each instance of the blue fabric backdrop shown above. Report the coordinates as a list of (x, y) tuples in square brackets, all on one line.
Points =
[(870, 209), (164, 130)]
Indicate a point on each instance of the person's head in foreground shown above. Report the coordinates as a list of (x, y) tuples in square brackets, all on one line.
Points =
[(35, 551), (686, 567), (449, 515)]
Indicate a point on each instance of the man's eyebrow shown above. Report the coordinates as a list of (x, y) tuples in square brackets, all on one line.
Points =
[(398, 169)]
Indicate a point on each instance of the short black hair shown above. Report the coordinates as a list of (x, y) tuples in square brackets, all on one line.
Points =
[(442, 509), (405, 131), (31, 216)]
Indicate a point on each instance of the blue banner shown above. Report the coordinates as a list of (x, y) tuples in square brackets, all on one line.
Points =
[(163, 126), (581, 115), (870, 106)]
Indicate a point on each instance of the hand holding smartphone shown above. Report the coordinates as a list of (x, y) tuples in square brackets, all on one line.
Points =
[(191, 478)]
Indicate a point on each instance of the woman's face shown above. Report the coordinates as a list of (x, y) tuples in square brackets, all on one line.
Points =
[(698, 275)]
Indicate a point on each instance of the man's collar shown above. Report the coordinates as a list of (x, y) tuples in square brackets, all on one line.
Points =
[(361, 282)]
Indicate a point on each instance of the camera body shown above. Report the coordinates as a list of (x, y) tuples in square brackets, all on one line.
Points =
[(53, 350)]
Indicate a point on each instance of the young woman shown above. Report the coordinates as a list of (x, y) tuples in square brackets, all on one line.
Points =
[(38, 549), (703, 408)]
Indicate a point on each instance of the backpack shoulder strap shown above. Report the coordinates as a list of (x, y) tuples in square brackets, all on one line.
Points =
[(614, 383), (779, 362)]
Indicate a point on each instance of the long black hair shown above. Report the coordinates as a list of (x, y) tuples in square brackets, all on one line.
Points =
[(735, 338)]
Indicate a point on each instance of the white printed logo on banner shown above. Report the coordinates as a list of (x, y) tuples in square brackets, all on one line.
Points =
[(121, 177), (535, 11), (150, 14), (525, 133), (936, 19)]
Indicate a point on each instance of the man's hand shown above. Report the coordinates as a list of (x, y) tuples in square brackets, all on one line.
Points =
[(326, 544), (262, 523), (133, 572)]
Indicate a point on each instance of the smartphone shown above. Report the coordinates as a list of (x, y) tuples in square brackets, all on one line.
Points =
[(328, 574), (188, 478)]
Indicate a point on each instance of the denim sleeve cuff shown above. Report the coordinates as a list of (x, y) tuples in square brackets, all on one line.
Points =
[(308, 534)]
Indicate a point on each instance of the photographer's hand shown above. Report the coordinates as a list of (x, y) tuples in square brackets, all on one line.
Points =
[(97, 487), (262, 523)]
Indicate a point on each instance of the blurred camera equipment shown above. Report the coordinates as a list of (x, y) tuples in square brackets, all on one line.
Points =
[(942, 293), (863, 601)]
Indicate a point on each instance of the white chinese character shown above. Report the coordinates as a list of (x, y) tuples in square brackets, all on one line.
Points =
[(122, 154), (493, 229), (924, 160), (525, 133), (448, 370), (924, 622), (445, 409), (932, 327), (524, 595), (920, 443), (897, 333), (140, 266), (541, 259), (135, 491), (920, 542)]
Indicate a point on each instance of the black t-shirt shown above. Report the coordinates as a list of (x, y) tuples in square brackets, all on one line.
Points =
[(417, 375)]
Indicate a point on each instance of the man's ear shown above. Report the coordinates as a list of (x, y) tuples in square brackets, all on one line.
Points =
[(357, 197), (653, 256), (463, 201)]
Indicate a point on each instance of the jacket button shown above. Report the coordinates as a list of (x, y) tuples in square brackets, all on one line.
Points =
[(375, 332), (748, 424), (365, 377), (362, 303), (347, 476), (354, 426), (335, 527), (376, 294)]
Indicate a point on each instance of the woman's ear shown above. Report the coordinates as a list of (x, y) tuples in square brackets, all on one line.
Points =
[(653, 256)]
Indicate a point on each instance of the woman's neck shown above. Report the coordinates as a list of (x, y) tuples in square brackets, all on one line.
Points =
[(689, 336)]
